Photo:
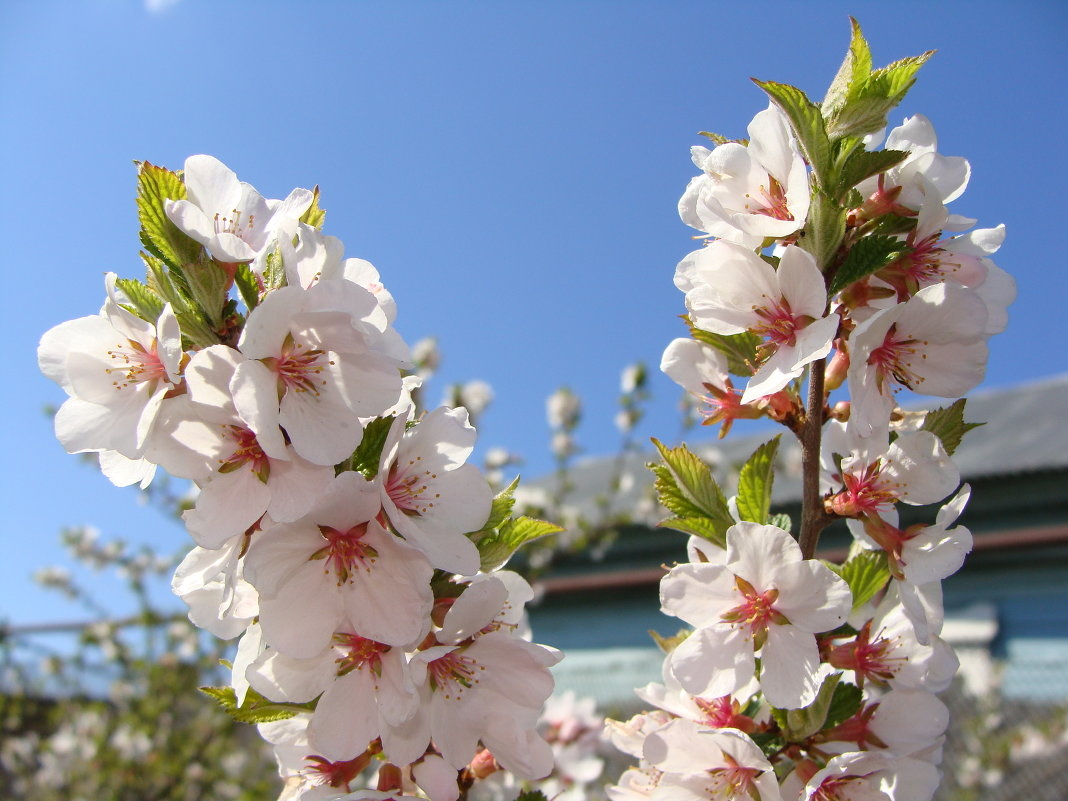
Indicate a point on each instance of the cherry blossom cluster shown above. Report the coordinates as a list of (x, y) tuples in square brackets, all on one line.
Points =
[(344, 537), (831, 261)]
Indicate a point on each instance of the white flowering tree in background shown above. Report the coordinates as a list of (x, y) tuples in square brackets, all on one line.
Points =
[(342, 536), (831, 268)]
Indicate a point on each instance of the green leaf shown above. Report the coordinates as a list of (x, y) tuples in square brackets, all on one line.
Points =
[(500, 509), (892, 224), (866, 574), (274, 271), (365, 459), (256, 708), (768, 742), (948, 425), (856, 66), (872, 99), (800, 724), (314, 216), (808, 124), (782, 521), (703, 527), (686, 487), (845, 703), (531, 795), (669, 644), (145, 303), (869, 255), (824, 229), (208, 284), (740, 349), (861, 164), (248, 286), (161, 237), (173, 289), (755, 482), (716, 138), (496, 549)]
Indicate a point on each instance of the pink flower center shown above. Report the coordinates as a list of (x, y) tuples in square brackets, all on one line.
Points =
[(359, 652), (246, 451), (345, 552), (410, 488), (757, 611), (733, 781), (865, 493), (298, 369), (136, 364), (894, 360), (868, 658), (779, 324), (836, 788), (322, 771), (771, 202), (453, 673), (722, 713)]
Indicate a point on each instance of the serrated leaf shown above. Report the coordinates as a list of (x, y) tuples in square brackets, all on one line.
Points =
[(892, 224), (256, 708), (248, 286), (868, 103), (845, 703), (869, 255), (866, 573), (755, 482), (145, 303), (500, 509), (496, 549), (948, 425), (173, 289), (803, 723), (669, 644), (768, 742), (740, 349), (690, 479), (719, 139), (861, 164), (807, 122), (274, 271), (856, 66), (208, 284), (703, 527), (161, 237), (314, 216), (781, 520), (824, 229), (365, 459)]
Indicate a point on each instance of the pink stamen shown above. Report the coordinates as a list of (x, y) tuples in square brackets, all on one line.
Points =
[(409, 488), (893, 360), (453, 673), (247, 450), (358, 653), (298, 369), (138, 364), (345, 552)]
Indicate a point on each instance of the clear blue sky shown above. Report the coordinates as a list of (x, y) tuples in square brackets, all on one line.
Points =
[(512, 169)]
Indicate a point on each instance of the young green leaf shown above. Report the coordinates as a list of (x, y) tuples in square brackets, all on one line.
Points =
[(161, 237), (256, 708), (365, 459), (145, 303), (531, 795), (866, 573), (209, 284), (782, 521), (803, 723), (948, 425), (314, 216), (861, 164), (856, 66), (500, 509), (686, 486), (248, 286), (808, 125), (669, 644), (869, 255), (869, 102), (715, 531), (845, 703), (496, 549), (740, 349), (755, 483)]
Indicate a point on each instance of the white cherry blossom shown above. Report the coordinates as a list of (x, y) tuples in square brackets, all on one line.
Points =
[(766, 598), (230, 218)]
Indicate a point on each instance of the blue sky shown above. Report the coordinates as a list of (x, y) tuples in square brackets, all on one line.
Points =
[(512, 169)]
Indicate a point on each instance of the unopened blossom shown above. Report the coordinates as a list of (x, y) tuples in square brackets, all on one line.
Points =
[(734, 291), (563, 409), (700, 763), (431, 496), (316, 361), (766, 598), (337, 568), (117, 369), (748, 193), (933, 344), (230, 218)]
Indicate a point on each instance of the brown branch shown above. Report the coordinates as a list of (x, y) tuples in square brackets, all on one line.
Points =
[(813, 517)]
